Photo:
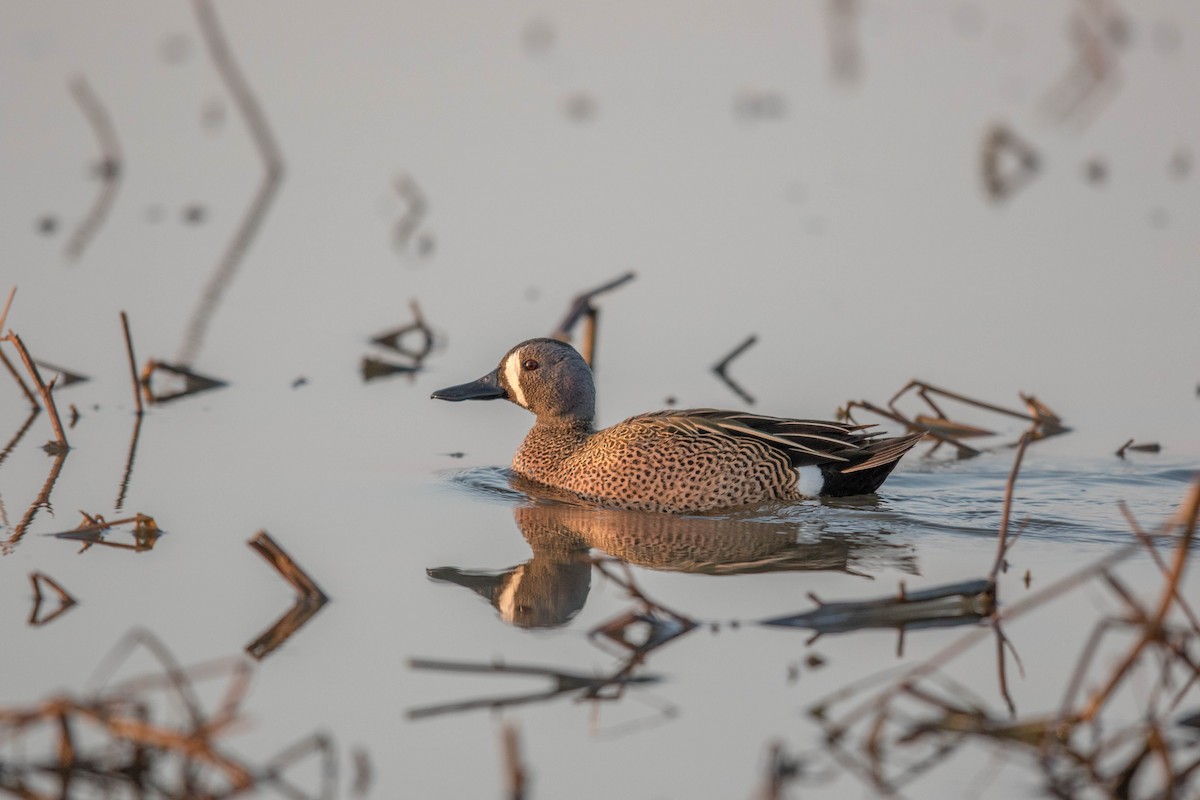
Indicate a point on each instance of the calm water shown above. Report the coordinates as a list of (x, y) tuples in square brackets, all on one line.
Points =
[(844, 224)]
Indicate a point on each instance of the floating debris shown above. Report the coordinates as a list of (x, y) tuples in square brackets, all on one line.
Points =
[(194, 214), (939, 606), (65, 600), (754, 106), (579, 107), (309, 597), (1008, 163), (1144, 447), (193, 382), (1095, 170), (1043, 422), (94, 528), (721, 369), (47, 224)]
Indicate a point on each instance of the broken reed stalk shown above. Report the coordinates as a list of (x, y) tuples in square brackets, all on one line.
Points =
[(133, 373), (958, 397), (305, 586), (110, 165), (44, 390), (513, 768), (583, 301), (7, 305), (272, 161), (1002, 540)]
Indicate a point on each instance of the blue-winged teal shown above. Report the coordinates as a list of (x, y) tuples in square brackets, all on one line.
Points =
[(678, 461)]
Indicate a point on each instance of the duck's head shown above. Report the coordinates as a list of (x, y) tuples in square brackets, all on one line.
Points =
[(546, 376)]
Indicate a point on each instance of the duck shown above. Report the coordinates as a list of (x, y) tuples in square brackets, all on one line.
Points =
[(689, 461)]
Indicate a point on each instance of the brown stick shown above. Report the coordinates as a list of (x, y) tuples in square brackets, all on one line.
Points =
[(583, 302), (268, 152), (133, 373), (305, 586), (110, 165), (7, 305), (1002, 541), (47, 397)]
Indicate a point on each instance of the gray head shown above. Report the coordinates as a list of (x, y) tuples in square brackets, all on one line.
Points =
[(546, 376)]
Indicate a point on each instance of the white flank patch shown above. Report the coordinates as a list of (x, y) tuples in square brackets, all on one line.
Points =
[(506, 603), (512, 375), (811, 481)]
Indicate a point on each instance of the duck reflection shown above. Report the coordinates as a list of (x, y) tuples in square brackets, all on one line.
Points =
[(552, 587)]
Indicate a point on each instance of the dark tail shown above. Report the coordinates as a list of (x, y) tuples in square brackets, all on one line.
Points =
[(868, 471)]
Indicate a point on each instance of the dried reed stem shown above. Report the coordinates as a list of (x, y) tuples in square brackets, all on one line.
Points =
[(133, 373), (7, 305), (1002, 541), (305, 586), (43, 389)]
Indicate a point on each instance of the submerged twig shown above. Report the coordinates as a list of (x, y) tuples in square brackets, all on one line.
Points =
[(272, 161), (109, 170)]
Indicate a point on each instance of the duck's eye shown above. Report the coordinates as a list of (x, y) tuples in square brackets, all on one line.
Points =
[(530, 364)]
